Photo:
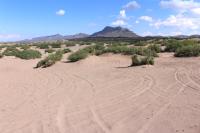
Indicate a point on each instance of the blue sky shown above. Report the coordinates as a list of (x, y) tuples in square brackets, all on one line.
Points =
[(20, 19)]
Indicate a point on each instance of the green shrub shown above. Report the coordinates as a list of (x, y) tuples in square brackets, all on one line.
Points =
[(147, 52), (150, 60), (11, 51), (66, 50), (2, 46), (117, 49), (155, 47), (49, 50), (188, 51), (43, 46), (138, 60), (50, 60), (28, 54), (24, 46), (172, 45), (56, 45), (140, 43), (131, 51), (79, 55), (70, 44)]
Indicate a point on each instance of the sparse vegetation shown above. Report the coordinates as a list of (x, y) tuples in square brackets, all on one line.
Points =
[(2, 46), (188, 51), (55, 45), (79, 55), (50, 60), (131, 50), (172, 45), (28, 54), (11, 51), (24, 54), (42, 46), (25, 47), (70, 44), (66, 50), (49, 50), (155, 47), (144, 49)]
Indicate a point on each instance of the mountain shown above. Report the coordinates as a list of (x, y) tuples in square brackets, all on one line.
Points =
[(77, 36), (47, 38), (195, 36), (56, 37), (114, 32)]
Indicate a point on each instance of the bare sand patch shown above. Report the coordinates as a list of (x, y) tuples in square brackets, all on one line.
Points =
[(100, 95)]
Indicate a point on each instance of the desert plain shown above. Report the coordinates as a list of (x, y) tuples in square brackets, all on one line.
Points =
[(100, 94)]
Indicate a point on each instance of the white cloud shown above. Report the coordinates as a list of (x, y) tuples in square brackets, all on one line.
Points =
[(119, 23), (137, 22), (146, 18), (131, 5), (121, 20), (179, 21), (186, 19), (61, 12), (122, 14), (181, 5), (196, 11), (147, 33)]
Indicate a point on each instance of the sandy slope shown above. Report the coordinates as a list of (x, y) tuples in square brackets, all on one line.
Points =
[(100, 95)]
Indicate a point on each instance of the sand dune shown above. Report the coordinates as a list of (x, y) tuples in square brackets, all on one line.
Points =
[(100, 95)]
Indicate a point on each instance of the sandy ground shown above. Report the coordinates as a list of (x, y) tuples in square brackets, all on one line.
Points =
[(100, 95)]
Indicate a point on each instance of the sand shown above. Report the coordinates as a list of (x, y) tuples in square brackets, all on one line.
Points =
[(100, 95)]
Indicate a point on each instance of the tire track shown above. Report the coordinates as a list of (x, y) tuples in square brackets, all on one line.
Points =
[(162, 109)]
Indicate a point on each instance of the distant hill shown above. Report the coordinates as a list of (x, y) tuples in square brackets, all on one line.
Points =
[(56, 37), (114, 32), (77, 36), (107, 32), (47, 38)]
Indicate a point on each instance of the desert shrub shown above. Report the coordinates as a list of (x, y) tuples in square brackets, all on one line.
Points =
[(140, 43), (172, 45), (150, 60), (189, 42), (1, 55), (117, 49), (24, 46), (94, 49), (50, 60), (66, 50), (188, 51), (147, 52), (97, 49), (70, 44), (79, 55), (155, 47), (42, 46), (49, 50), (28, 54), (131, 51), (11, 51), (2, 46), (56, 45), (138, 60)]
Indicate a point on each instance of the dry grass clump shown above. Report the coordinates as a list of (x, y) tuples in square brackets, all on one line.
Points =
[(50, 60), (138, 60)]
